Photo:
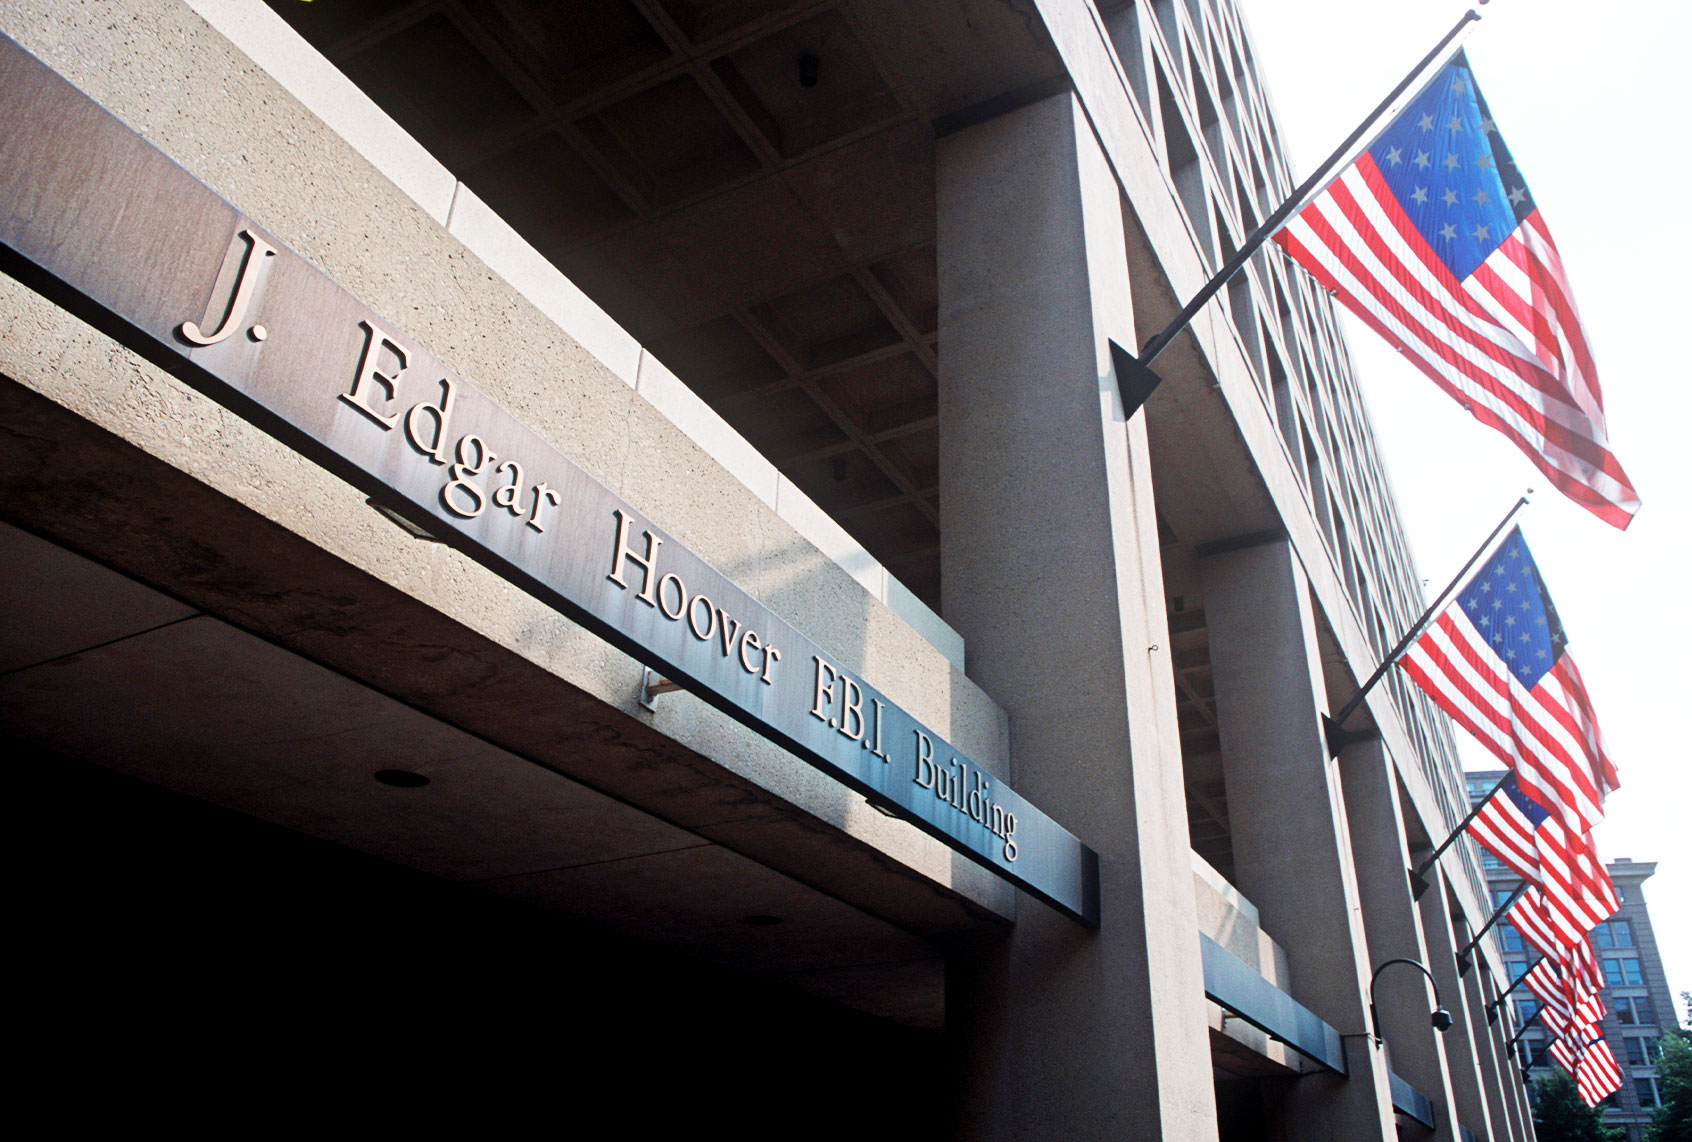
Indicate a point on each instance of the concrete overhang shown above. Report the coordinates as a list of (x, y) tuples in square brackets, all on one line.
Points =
[(160, 628)]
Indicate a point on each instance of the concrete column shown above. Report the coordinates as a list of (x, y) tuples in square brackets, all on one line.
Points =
[(1507, 1077), (1292, 851), (1393, 927), (1486, 1046), (1051, 572), (1518, 1092), (1517, 1080), (1460, 1048)]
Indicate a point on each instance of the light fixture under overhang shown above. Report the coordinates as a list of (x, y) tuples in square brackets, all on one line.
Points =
[(401, 778), (401, 521)]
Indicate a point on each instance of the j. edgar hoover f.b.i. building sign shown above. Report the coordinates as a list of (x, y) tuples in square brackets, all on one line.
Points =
[(110, 227)]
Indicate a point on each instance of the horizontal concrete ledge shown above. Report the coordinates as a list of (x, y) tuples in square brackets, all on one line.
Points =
[(1230, 895), (1406, 1099), (268, 41), (1233, 985), (331, 582)]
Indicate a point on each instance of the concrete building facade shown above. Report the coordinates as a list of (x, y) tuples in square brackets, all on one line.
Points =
[(1638, 1000), (598, 548)]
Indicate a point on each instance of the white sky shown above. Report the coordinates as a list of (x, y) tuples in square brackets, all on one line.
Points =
[(1591, 99)]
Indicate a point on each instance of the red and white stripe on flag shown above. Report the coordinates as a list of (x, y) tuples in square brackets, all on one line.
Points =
[(1566, 1002), (1592, 1065), (1433, 238), (1505, 342), (1508, 834), (1545, 983), (1573, 880), (1557, 934), (1546, 734), (1572, 894), (1565, 1054), (1596, 1074)]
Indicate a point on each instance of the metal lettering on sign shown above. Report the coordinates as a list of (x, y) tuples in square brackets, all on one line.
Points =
[(96, 218)]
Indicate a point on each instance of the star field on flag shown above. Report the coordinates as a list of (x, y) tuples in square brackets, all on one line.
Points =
[(1433, 238), (1497, 660)]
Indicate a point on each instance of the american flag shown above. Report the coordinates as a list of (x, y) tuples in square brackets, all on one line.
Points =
[(1567, 1002), (1573, 876), (1497, 661), (1593, 1066), (1596, 1075), (1506, 825), (1433, 239), (1572, 892), (1529, 917), (1566, 986), (1555, 937)]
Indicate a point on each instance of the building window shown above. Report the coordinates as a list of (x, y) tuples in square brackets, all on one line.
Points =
[(1647, 1089), (1623, 972), (1500, 895), (1613, 934), (1643, 1051), (1526, 1009), (1510, 938), (1517, 968), (1488, 861), (1633, 1010)]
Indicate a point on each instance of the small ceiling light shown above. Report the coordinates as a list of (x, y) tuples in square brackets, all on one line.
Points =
[(400, 521), (401, 778), (808, 65)]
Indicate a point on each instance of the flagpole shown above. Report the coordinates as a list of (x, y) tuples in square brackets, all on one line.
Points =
[(1492, 1008), (1315, 182), (1526, 1023), (1463, 961), (1333, 727), (1419, 874)]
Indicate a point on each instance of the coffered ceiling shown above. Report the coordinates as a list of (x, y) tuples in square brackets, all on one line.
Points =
[(745, 185)]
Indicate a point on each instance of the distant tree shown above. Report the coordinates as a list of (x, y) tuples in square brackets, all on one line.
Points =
[(1559, 1115), (1673, 1120)]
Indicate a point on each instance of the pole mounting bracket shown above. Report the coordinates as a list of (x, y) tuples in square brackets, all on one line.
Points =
[(653, 684)]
